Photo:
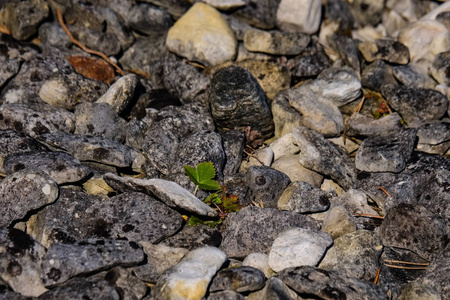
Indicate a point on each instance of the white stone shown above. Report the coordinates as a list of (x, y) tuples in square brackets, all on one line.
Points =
[(284, 146), (225, 4), (290, 165), (299, 15), (120, 94), (349, 145), (444, 7), (298, 247), (202, 35), (329, 185), (189, 279), (259, 261), (261, 157), (356, 202)]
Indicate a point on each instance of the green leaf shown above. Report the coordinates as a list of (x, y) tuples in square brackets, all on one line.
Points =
[(203, 175), (209, 185), (192, 173)]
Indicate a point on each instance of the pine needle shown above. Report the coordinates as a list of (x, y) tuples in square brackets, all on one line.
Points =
[(384, 191), (377, 276), (406, 262), (406, 268), (369, 216)]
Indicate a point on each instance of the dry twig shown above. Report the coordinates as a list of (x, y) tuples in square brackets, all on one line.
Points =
[(407, 268), (369, 216), (406, 262)]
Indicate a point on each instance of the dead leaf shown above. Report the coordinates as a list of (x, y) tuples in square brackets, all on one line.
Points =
[(92, 68)]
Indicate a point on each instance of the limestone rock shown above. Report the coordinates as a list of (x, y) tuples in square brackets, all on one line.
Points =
[(303, 16)]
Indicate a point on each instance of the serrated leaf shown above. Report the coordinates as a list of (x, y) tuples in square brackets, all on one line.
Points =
[(209, 185), (203, 175), (192, 173), (206, 171)]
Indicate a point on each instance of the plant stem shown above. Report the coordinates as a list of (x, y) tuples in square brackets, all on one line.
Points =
[(196, 188)]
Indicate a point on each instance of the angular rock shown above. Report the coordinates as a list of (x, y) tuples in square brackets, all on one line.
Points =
[(274, 289), (233, 145), (388, 50), (129, 286), (355, 201), (436, 196), (261, 157), (148, 19), (115, 25), (434, 134), (414, 228), (347, 49), (168, 192), (361, 125), (265, 186), (331, 162), (285, 117), (354, 254), (259, 13), (191, 276), (20, 262), (64, 261), (237, 100), (121, 93), (24, 191), (329, 285), (290, 165), (242, 279), (202, 35), (299, 16), (338, 11), (376, 75), (298, 247), (386, 154), (312, 61), (254, 229), (302, 197), (62, 167), (191, 237), (35, 119), (275, 42), (439, 68), (415, 104), (411, 75), (338, 222), (284, 146)]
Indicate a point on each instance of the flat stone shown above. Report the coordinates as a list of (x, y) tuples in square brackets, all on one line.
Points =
[(242, 279), (191, 276), (355, 254), (202, 35), (291, 166), (253, 229), (338, 222), (299, 16), (302, 197), (388, 50), (328, 284), (331, 161), (62, 167), (410, 103), (439, 68), (64, 261), (23, 191), (35, 119), (362, 125), (275, 42), (120, 94), (237, 101), (167, 191), (21, 262), (148, 19), (298, 247), (386, 153)]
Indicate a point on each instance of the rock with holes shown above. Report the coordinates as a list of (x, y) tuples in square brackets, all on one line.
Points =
[(302, 197), (242, 279), (24, 191), (21, 260), (62, 167), (64, 261)]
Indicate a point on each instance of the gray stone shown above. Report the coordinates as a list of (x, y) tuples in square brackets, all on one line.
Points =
[(316, 282), (24, 191), (435, 197), (285, 117), (311, 61), (290, 165), (414, 228), (175, 7), (439, 68), (388, 50), (242, 279), (338, 11), (417, 291), (331, 161), (15, 50), (168, 192), (261, 157), (121, 93), (148, 19), (253, 229), (338, 222), (22, 21), (347, 49), (191, 276), (238, 26), (415, 104), (299, 16), (89, 148), (275, 289), (129, 286), (259, 13), (284, 146), (53, 34), (386, 153), (20, 262), (191, 237), (115, 25), (259, 261), (265, 186), (437, 274), (355, 201), (85, 15), (226, 295), (302, 197), (62, 167), (237, 101), (354, 254), (411, 75), (104, 42), (433, 136), (99, 119), (64, 261), (376, 75), (362, 125), (298, 247), (8, 68), (275, 42), (35, 118), (233, 145)]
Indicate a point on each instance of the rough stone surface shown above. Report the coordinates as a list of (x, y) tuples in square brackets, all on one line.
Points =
[(303, 16), (368, 12), (242, 279), (95, 39), (191, 237), (129, 286), (346, 49), (259, 13), (376, 75), (202, 35), (298, 247), (439, 68), (285, 117), (302, 197), (312, 61), (228, 294), (362, 125), (233, 145), (121, 93), (388, 50), (275, 42), (254, 229), (274, 289), (411, 75), (338, 222), (191, 276)]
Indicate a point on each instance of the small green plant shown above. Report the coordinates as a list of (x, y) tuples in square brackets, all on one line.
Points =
[(203, 176)]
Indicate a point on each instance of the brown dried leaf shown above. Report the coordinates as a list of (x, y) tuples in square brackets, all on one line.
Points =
[(92, 68)]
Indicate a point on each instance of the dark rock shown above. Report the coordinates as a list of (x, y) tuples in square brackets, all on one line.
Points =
[(411, 76), (444, 18), (436, 197), (155, 99), (233, 145), (99, 119), (238, 26), (414, 228), (285, 117), (361, 125), (237, 101), (104, 42), (388, 50), (275, 42), (13, 49), (175, 7), (332, 161), (89, 148), (35, 118), (376, 75), (386, 153), (62, 167), (53, 34), (20, 262), (434, 136), (8, 68), (261, 14), (368, 12), (254, 229), (115, 26), (415, 104), (225, 295), (129, 286), (302, 197), (440, 68), (265, 186), (275, 289), (84, 14), (148, 19), (328, 284), (135, 133), (242, 279), (23, 18), (236, 185), (347, 50), (24, 191), (339, 11), (311, 61), (191, 237), (438, 273)]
